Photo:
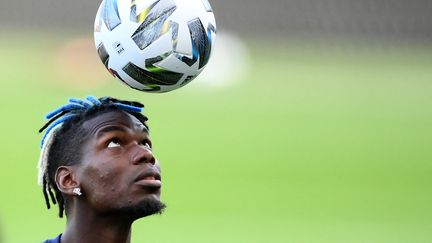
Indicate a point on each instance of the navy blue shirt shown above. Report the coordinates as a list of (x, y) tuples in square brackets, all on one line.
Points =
[(55, 240)]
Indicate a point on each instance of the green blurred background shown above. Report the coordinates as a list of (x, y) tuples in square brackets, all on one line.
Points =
[(312, 123)]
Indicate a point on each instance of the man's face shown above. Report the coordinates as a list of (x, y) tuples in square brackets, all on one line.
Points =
[(118, 172)]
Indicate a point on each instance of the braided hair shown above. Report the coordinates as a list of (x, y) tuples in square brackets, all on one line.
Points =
[(64, 137)]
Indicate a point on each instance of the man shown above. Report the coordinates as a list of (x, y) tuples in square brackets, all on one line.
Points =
[(97, 164)]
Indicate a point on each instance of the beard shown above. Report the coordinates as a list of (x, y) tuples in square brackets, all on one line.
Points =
[(144, 208), (148, 207)]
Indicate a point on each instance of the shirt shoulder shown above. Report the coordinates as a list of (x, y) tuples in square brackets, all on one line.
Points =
[(55, 240)]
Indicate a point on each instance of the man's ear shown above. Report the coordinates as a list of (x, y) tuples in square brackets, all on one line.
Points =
[(66, 180)]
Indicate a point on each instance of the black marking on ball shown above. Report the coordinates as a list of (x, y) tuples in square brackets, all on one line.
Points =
[(147, 78), (103, 54)]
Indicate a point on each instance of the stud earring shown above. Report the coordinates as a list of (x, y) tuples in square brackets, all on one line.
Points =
[(77, 191)]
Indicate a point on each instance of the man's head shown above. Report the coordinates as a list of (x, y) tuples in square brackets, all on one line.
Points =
[(102, 147)]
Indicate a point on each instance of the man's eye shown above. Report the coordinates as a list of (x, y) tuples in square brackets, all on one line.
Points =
[(146, 144), (114, 143)]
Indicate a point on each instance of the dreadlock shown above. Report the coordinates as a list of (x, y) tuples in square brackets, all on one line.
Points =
[(64, 137)]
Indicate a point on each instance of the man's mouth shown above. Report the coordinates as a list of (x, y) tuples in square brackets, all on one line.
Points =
[(149, 179)]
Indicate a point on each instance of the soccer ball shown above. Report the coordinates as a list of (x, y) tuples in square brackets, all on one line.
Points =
[(155, 45)]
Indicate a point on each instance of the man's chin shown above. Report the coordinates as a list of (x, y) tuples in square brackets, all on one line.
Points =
[(147, 207)]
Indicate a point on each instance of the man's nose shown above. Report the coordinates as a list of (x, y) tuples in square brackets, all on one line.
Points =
[(142, 154)]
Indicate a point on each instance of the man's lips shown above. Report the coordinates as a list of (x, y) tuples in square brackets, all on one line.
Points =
[(149, 179)]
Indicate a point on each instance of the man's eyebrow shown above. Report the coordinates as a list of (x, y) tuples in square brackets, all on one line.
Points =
[(107, 129), (115, 128)]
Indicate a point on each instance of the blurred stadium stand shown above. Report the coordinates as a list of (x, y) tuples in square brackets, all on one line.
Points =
[(390, 19)]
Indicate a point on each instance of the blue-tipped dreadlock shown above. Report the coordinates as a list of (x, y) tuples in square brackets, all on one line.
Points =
[(55, 123), (61, 143), (78, 105)]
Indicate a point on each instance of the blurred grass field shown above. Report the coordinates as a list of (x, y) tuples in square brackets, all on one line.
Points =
[(315, 144)]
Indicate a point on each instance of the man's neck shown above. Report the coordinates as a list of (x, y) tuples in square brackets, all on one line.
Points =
[(90, 228)]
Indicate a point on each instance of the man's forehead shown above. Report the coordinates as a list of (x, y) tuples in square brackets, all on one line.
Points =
[(117, 117)]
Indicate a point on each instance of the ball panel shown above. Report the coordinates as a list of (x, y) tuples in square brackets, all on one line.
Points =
[(207, 6), (200, 43), (110, 14), (154, 24), (174, 63)]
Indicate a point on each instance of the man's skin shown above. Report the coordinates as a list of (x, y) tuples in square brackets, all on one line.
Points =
[(119, 179)]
